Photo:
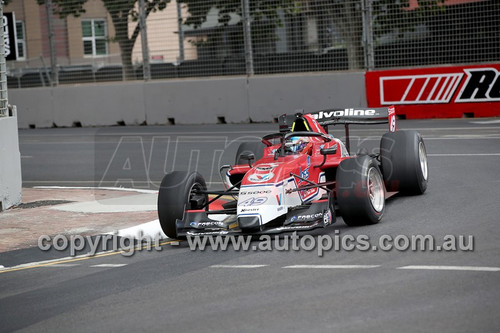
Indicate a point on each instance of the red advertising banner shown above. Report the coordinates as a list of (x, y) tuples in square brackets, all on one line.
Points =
[(437, 92)]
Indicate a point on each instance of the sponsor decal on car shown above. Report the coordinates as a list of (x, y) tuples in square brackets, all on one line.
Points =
[(278, 198), (207, 224), (327, 217), (264, 168), (260, 178), (250, 210), (306, 217), (254, 201), (343, 113), (255, 192)]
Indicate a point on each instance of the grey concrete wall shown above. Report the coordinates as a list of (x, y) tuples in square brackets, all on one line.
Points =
[(10, 163), (188, 101), (199, 101), (275, 95)]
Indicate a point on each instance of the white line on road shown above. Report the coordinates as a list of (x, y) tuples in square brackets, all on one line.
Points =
[(238, 266), (454, 268), (124, 189), (333, 266), (109, 265), (485, 122), (478, 154)]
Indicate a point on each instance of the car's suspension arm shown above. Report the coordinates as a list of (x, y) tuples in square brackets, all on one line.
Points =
[(312, 185)]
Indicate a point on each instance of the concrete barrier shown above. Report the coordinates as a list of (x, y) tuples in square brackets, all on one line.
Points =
[(202, 101), (271, 96), (10, 163), (187, 101)]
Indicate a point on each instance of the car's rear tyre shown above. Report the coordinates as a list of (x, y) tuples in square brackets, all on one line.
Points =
[(404, 162), (360, 191), (256, 148), (177, 194)]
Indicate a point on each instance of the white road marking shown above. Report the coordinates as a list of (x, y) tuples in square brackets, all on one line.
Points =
[(97, 188), (140, 202), (333, 266), (454, 268), (26, 156), (479, 154), (92, 187), (54, 261), (485, 122), (109, 265), (238, 266), (427, 138), (250, 131)]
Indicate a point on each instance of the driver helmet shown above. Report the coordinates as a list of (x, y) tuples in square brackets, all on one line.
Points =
[(296, 144)]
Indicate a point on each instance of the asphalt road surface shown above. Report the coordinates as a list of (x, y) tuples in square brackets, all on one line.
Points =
[(178, 289)]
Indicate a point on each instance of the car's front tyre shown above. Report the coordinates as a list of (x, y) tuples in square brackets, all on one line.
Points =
[(178, 193)]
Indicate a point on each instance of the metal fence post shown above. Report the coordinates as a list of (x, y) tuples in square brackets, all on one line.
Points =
[(4, 100), (369, 53), (181, 32), (247, 35), (146, 68), (54, 80)]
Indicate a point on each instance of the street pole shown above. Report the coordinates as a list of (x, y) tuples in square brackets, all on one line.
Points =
[(4, 99), (181, 32), (54, 81), (247, 35), (368, 34), (146, 68)]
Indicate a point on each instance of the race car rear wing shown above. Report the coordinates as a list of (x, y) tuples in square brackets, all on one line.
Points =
[(346, 117), (354, 116)]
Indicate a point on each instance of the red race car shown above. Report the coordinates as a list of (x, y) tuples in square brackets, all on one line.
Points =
[(299, 178)]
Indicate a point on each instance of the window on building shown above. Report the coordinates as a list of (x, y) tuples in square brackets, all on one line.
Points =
[(95, 37), (21, 40)]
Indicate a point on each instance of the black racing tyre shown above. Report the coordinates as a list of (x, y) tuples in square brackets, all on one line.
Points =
[(256, 148), (404, 162), (176, 195), (360, 191)]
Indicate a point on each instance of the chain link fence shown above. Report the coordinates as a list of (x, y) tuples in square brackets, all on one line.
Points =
[(157, 39)]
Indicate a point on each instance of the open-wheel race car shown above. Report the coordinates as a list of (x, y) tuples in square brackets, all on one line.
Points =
[(299, 178)]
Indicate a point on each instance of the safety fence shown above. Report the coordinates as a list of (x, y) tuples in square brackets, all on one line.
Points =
[(157, 39)]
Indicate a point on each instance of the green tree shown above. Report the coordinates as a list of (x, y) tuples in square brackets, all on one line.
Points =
[(259, 9), (122, 12)]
